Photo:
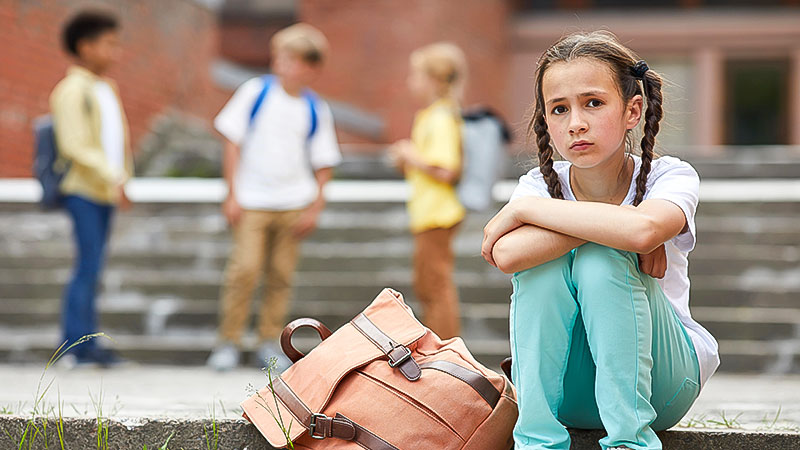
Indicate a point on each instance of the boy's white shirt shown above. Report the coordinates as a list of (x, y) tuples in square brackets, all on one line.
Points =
[(277, 164), (669, 179), (112, 132)]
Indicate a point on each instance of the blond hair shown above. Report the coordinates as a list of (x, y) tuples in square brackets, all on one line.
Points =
[(303, 41), (444, 63)]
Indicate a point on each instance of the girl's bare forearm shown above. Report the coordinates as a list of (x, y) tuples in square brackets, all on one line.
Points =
[(529, 246), (640, 229)]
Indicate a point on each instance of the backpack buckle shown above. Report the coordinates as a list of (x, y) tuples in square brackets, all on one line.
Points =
[(406, 356), (312, 425)]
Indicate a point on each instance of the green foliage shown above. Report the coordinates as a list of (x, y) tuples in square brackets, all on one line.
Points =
[(37, 424), (212, 442), (269, 369)]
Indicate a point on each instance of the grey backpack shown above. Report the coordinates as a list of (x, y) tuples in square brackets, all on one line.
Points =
[(484, 136)]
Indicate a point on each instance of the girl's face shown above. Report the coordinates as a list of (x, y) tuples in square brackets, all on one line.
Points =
[(585, 113), (422, 87)]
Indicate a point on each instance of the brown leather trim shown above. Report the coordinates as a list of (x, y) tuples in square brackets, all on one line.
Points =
[(366, 438), (323, 426), (399, 355), (506, 366), (339, 427), (475, 380), (286, 336)]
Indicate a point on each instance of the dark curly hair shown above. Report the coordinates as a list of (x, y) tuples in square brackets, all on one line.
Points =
[(86, 25)]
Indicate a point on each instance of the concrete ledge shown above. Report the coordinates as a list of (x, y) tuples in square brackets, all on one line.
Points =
[(213, 190), (134, 434), (240, 435)]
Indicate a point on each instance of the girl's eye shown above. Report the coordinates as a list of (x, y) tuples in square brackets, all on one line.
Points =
[(594, 103), (560, 109)]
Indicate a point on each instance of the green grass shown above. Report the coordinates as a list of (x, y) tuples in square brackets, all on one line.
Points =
[(36, 425), (770, 422), (726, 422), (163, 447), (101, 420), (268, 370)]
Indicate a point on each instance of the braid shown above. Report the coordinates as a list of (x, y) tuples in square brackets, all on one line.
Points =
[(652, 89), (546, 154)]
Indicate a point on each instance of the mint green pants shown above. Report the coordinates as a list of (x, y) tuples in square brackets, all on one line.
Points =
[(596, 344)]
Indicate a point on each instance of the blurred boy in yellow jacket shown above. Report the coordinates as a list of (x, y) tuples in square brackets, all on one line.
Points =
[(92, 138)]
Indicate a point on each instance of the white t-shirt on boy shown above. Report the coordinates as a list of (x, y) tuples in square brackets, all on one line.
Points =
[(278, 160)]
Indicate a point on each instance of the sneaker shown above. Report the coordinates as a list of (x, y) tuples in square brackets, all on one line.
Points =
[(102, 357), (224, 357), (268, 350), (67, 362)]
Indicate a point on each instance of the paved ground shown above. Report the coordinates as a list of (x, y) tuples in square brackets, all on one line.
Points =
[(748, 402)]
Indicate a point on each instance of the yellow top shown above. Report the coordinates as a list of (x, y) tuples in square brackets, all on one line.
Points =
[(437, 136), (77, 128)]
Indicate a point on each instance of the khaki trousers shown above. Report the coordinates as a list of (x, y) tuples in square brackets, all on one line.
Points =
[(262, 241), (433, 280)]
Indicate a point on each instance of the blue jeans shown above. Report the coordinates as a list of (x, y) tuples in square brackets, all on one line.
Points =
[(91, 224), (596, 344)]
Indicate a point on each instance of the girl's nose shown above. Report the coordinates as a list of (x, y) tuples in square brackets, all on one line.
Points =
[(577, 124)]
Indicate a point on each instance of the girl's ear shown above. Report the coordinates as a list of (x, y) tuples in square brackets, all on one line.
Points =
[(634, 112)]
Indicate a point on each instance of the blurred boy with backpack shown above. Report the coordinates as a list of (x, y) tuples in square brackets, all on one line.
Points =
[(91, 136), (280, 151)]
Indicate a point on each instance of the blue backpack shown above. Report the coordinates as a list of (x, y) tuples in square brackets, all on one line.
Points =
[(47, 167), (308, 95)]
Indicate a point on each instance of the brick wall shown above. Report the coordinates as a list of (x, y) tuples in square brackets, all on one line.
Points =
[(371, 41), (167, 49)]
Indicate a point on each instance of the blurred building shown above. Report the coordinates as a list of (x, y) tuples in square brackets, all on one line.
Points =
[(168, 46), (733, 66)]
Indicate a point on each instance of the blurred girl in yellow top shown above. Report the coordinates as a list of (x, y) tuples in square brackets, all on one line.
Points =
[(431, 162)]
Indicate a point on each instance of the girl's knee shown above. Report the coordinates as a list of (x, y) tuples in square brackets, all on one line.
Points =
[(555, 268), (594, 251), (595, 261)]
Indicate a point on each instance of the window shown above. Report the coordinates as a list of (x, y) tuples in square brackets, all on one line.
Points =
[(756, 109)]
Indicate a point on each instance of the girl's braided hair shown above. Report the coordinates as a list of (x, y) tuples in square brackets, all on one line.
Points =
[(628, 71)]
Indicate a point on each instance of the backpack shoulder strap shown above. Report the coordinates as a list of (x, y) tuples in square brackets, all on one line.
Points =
[(311, 98), (267, 81)]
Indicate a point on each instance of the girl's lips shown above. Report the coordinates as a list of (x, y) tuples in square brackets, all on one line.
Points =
[(579, 146)]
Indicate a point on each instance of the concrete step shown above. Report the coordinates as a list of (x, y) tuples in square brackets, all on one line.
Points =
[(382, 220), (723, 259), (125, 434), (192, 347), (188, 264), (155, 317), (756, 287)]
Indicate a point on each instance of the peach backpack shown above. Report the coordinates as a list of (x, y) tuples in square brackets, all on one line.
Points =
[(385, 382)]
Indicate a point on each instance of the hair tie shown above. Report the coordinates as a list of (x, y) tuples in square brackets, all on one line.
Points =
[(638, 69)]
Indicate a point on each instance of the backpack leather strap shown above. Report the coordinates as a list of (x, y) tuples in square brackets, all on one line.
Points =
[(321, 426), (399, 355), (367, 438), (476, 381)]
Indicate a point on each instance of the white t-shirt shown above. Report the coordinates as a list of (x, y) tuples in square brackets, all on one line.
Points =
[(669, 179), (112, 134), (276, 169)]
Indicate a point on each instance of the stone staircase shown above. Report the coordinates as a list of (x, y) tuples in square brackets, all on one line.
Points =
[(161, 286)]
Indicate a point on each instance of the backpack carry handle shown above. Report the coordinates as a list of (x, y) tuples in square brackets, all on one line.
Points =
[(286, 337), (506, 366)]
